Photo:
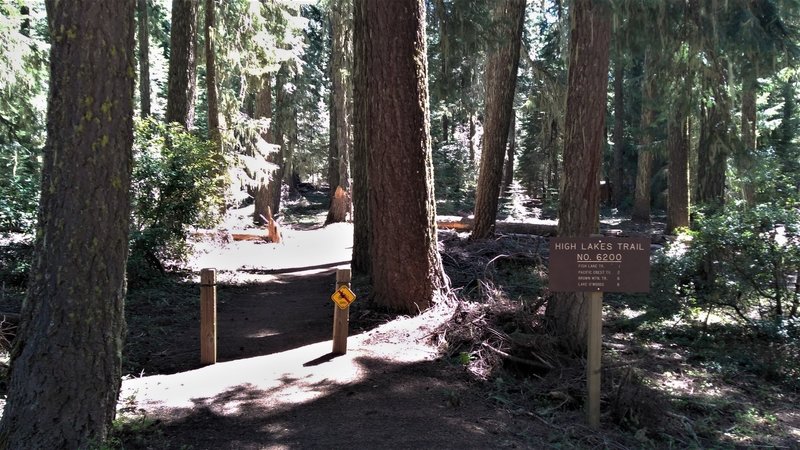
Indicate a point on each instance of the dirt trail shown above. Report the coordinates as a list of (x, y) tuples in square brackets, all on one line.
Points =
[(277, 385), (388, 391)]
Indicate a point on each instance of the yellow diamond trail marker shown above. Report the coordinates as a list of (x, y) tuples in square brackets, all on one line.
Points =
[(343, 297)]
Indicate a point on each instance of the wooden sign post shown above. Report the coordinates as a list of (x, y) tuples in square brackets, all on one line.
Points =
[(208, 316), (596, 265), (594, 347), (341, 311)]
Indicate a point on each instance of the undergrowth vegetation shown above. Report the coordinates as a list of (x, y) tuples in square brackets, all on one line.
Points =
[(708, 358), (176, 184)]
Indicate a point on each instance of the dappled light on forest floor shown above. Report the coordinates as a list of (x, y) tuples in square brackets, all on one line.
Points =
[(386, 389)]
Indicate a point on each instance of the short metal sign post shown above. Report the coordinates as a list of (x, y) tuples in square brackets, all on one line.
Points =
[(596, 265)]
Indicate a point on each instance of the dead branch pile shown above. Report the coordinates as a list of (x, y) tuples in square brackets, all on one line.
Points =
[(469, 263), (498, 333)]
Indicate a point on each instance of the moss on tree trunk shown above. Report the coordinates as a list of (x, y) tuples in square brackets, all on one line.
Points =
[(65, 368)]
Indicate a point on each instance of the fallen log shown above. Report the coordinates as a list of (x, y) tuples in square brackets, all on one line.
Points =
[(271, 234), (465, 224), (250, 235)]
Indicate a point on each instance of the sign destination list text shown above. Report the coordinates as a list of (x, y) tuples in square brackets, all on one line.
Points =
[(600, 264)]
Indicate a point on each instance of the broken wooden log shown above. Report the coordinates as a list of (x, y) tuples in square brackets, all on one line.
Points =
[(250, 235), (272, 227)]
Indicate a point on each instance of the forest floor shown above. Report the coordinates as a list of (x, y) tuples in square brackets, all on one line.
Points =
[(475, 372)]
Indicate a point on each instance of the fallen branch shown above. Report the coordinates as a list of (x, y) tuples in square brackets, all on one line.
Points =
[(517, 359)]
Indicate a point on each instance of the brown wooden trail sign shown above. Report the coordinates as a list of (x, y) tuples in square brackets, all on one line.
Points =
[(597, 265)]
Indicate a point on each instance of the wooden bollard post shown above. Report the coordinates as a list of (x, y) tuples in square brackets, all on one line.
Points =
[(208, 316), (593, 353), (341, 317)]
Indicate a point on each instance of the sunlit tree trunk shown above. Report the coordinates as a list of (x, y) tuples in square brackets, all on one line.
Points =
[(182, 63), (409, 276), (501, 80), (678, 165), (578, 212), (268, 192), (341, 69), (66, 361), (744, 158)]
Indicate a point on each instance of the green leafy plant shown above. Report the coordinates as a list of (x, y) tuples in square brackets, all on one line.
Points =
[(175, 185), (746, 260)]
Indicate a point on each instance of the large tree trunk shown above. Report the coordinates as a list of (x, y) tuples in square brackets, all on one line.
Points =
[(362, 227), (66, 361), (619, 127), (716, 138), (182, 64), (341, 62), (333, 152), (268, 192), (212, 97), (407, 272), (644, 168), (501, 80), (144, 59), (744, 158), (678, 166), (578, 212), (711, 159)]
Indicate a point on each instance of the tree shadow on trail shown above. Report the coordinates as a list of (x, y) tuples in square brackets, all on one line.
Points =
[(260, 319), (254, 319), (393, 405)]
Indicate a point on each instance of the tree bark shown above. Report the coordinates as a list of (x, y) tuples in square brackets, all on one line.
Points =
[(678, 166), (501, 80), (341, 57), (66, 361), (144, 59), (268, 192), (333, 152), (644, 169), (362, 226), (744, 158), (211, 76), (619, 127), (578, 212), (711, 160), (407, 272), (182, 64)]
